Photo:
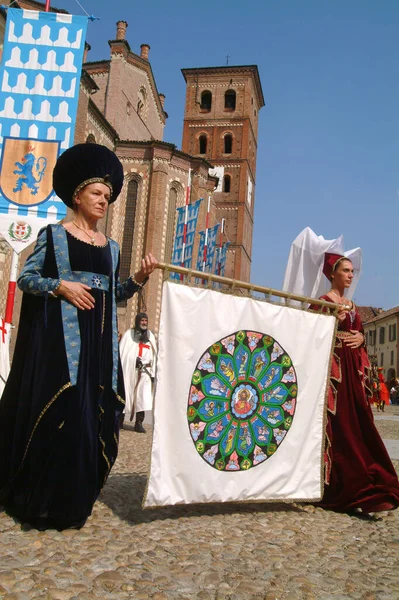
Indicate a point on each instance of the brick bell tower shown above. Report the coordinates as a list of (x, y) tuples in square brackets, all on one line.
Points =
[(221, 125)]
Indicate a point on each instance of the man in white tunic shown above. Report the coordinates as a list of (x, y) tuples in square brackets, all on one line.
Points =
[(138, 357)]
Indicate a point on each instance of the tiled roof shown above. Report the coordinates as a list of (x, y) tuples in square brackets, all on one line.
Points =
[(383, 315), (367, 312), (167, 145)]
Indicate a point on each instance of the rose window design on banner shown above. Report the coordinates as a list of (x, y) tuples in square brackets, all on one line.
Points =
[(241, 402)]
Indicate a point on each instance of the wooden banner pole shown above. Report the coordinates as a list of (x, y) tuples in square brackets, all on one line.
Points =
[(234, 283)]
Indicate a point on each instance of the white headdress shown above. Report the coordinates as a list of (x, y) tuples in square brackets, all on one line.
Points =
[(304, 273)]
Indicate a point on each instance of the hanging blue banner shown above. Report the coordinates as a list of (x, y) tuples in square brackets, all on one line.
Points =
[(192, 218), (210, 249), (220, 259), (39, 91)]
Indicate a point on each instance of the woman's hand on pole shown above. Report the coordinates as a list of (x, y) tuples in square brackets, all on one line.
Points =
[(77, 294), (148, 265)]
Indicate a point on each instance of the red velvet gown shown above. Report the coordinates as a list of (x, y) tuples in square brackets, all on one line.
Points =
[(358, 470)]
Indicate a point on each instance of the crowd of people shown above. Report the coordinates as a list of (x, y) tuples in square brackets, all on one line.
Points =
[(71, 385)]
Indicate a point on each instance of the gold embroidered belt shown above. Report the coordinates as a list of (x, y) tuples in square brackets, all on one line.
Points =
[(344, 334)]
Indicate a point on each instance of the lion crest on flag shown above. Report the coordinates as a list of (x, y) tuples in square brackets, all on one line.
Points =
[(26, 170)]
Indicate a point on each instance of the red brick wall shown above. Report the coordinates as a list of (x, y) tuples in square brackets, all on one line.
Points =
[(159, 168), (81, 117), (101, 79), (126, 79), (240, 164)]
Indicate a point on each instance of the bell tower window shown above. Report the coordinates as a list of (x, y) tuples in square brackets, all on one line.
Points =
[(203, 142), (226, 183), (230, 100), (228, 143), (206, 101)]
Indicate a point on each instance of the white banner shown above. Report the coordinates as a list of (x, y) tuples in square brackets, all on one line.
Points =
[(240, 400)]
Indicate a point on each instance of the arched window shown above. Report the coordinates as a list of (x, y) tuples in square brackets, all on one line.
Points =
[(206, 101), (226, 183), (90, 139), (142, 103), (170, 224), (203, 142), (128, 231), (228, 143), (230, 100)]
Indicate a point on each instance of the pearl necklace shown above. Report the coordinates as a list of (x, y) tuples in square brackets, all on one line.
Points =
[(92, 239), (337, 295)]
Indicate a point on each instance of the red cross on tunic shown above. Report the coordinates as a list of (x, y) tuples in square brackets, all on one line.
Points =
[(141, 347)]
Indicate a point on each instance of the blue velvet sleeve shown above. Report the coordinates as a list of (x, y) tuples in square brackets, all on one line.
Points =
[(30, 279), (125, 290)]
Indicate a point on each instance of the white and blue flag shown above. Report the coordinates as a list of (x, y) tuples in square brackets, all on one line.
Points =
[(185, 228), (39, 90)]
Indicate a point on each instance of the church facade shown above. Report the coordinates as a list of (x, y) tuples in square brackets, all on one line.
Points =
[(121, 107)]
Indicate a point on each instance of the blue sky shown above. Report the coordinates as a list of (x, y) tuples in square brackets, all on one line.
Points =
[(328, 146)]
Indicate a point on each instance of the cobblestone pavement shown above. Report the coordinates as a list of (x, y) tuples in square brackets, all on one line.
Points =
[(223, 552)]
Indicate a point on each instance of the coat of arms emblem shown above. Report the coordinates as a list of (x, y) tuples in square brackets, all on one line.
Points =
[(26, 170), (20, 231)]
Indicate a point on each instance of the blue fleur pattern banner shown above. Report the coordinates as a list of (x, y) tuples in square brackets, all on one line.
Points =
[(210, 252), (220, 261), (39, 90), (192, 218)]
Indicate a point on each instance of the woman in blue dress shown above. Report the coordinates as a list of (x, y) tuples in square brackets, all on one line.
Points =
[(60, 409)]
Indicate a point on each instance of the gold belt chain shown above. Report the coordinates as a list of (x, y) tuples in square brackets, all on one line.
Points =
[(344, 334)]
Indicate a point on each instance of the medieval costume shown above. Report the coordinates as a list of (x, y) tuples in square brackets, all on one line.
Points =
[(374, 386), (60, 408), (358, 471), (384, 392), (138, 357)]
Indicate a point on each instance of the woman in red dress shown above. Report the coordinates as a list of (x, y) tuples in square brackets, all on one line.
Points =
[(384, 393), (358, 471)]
